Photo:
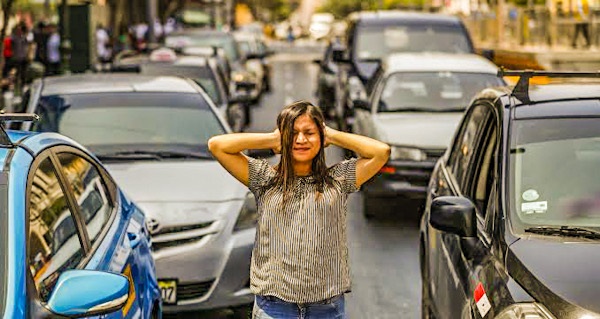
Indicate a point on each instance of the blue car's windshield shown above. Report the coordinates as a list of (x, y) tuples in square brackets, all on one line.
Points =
[(134, 121), (554, 173), (3, 246)]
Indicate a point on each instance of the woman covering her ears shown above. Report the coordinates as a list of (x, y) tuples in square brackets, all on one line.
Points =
[(299, 266)]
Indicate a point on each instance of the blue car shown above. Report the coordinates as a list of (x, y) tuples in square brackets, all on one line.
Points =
[(71, 243)]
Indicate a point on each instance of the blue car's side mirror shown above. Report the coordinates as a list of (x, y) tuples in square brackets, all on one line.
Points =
[(83, 293)]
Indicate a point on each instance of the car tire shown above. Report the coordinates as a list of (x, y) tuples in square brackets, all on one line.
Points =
[(369, 207)]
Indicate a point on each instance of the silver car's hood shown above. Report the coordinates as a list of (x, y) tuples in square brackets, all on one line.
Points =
[(177, 181), (423, 130)]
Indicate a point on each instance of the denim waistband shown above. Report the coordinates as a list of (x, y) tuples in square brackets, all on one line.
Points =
[(320, 302)]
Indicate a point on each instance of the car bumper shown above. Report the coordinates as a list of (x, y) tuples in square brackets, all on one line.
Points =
[(210, 276), (409, 180)]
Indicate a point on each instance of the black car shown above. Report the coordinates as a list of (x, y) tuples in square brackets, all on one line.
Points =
[(511, 226), (371, 36)]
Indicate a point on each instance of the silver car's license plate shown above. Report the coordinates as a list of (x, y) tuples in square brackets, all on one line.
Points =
[(168, 290)]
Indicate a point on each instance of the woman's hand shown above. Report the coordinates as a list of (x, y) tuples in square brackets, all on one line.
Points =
[(328, 132), (276, 135)]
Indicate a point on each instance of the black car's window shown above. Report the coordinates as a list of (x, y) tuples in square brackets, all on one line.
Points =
[(54, 243), (464, 148), (202, 75), (482, 178), (90, 192), (378, 41), (115, 122), (433, 91), (554, 172)]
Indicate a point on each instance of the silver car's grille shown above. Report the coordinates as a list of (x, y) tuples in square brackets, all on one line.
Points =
[(193, 290), (177, 229), (172, 243)]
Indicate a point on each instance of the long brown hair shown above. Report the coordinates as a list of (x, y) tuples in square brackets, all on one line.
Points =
[(285, 123)]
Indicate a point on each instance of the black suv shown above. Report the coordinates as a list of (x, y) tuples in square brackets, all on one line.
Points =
[(371, 36), (511, 226)]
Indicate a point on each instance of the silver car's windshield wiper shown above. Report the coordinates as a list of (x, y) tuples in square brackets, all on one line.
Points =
[(156, 155), (566, 231), (425, 110)]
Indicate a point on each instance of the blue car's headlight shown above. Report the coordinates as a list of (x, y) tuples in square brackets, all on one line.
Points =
[(248, 215)]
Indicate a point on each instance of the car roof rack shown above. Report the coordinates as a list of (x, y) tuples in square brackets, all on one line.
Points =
[(13, 117), (521, 90)]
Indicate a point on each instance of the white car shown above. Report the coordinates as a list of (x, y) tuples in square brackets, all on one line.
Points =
[(415, 106)]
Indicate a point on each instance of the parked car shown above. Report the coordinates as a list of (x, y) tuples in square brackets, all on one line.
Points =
[(371, 36), (416, 104), (206, 72), (152, 134), (326, 80), (255, 51), (72, 243), (240, 75), (511, 224)]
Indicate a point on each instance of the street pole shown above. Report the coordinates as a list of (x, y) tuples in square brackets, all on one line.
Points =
[(151, 17)]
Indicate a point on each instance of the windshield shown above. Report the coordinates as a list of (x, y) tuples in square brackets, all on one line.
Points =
[(376, 42), (433, 91), (224, 41), (554, 173), (116, 122), (199, 74), (3, 245)]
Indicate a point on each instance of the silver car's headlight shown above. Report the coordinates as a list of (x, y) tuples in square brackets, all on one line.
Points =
[(525, 311), (407, 153), (248, 215), (356, 89)]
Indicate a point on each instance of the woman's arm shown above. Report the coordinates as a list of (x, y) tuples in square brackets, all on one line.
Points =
[(372, 153), (228, 148)]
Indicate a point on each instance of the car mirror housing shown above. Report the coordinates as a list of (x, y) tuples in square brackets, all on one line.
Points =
[(84, 293), (339, 54), (362, 104), (454, 215)]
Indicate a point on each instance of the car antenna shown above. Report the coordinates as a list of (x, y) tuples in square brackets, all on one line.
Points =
[(521, 90), (13, 117)]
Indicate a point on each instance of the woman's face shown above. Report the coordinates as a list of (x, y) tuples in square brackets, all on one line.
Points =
[(307, 141)]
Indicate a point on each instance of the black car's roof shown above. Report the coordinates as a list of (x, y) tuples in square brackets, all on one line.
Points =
[(394, 17), (553, 100)]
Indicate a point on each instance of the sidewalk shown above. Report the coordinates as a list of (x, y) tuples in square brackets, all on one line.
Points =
[(557, 58)]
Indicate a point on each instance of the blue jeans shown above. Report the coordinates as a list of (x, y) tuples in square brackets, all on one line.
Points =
[(269, 307)]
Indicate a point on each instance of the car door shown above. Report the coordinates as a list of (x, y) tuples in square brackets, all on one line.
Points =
[(449, 254), (114, 228)]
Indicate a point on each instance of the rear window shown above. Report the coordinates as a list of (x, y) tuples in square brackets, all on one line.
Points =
[(201, 75), (104, 122), (378, 41)]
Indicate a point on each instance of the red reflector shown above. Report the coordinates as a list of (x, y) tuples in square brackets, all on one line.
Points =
[(388, 170)]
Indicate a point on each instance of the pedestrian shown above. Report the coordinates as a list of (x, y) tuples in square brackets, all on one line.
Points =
[(53, 51), (290, 34), (40, 38), (299, 266), (582, 22), (8, 54), (103, 52), (20, 47)]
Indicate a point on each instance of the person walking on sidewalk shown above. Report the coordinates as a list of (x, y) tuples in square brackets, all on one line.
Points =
[(582, 23), (300, 266)]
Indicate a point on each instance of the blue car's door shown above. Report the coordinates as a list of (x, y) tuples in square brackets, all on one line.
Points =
[(115, 229)]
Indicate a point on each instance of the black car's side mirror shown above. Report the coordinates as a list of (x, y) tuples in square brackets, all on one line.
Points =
[(338, 54), (362, 104), (454, 215)]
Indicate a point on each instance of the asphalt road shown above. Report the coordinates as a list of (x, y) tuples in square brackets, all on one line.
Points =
[(383, 252)]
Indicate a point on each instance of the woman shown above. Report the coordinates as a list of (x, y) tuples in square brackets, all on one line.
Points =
[(299, 265)]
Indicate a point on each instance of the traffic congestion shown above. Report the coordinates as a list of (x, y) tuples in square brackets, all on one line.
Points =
[(382, 164)]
